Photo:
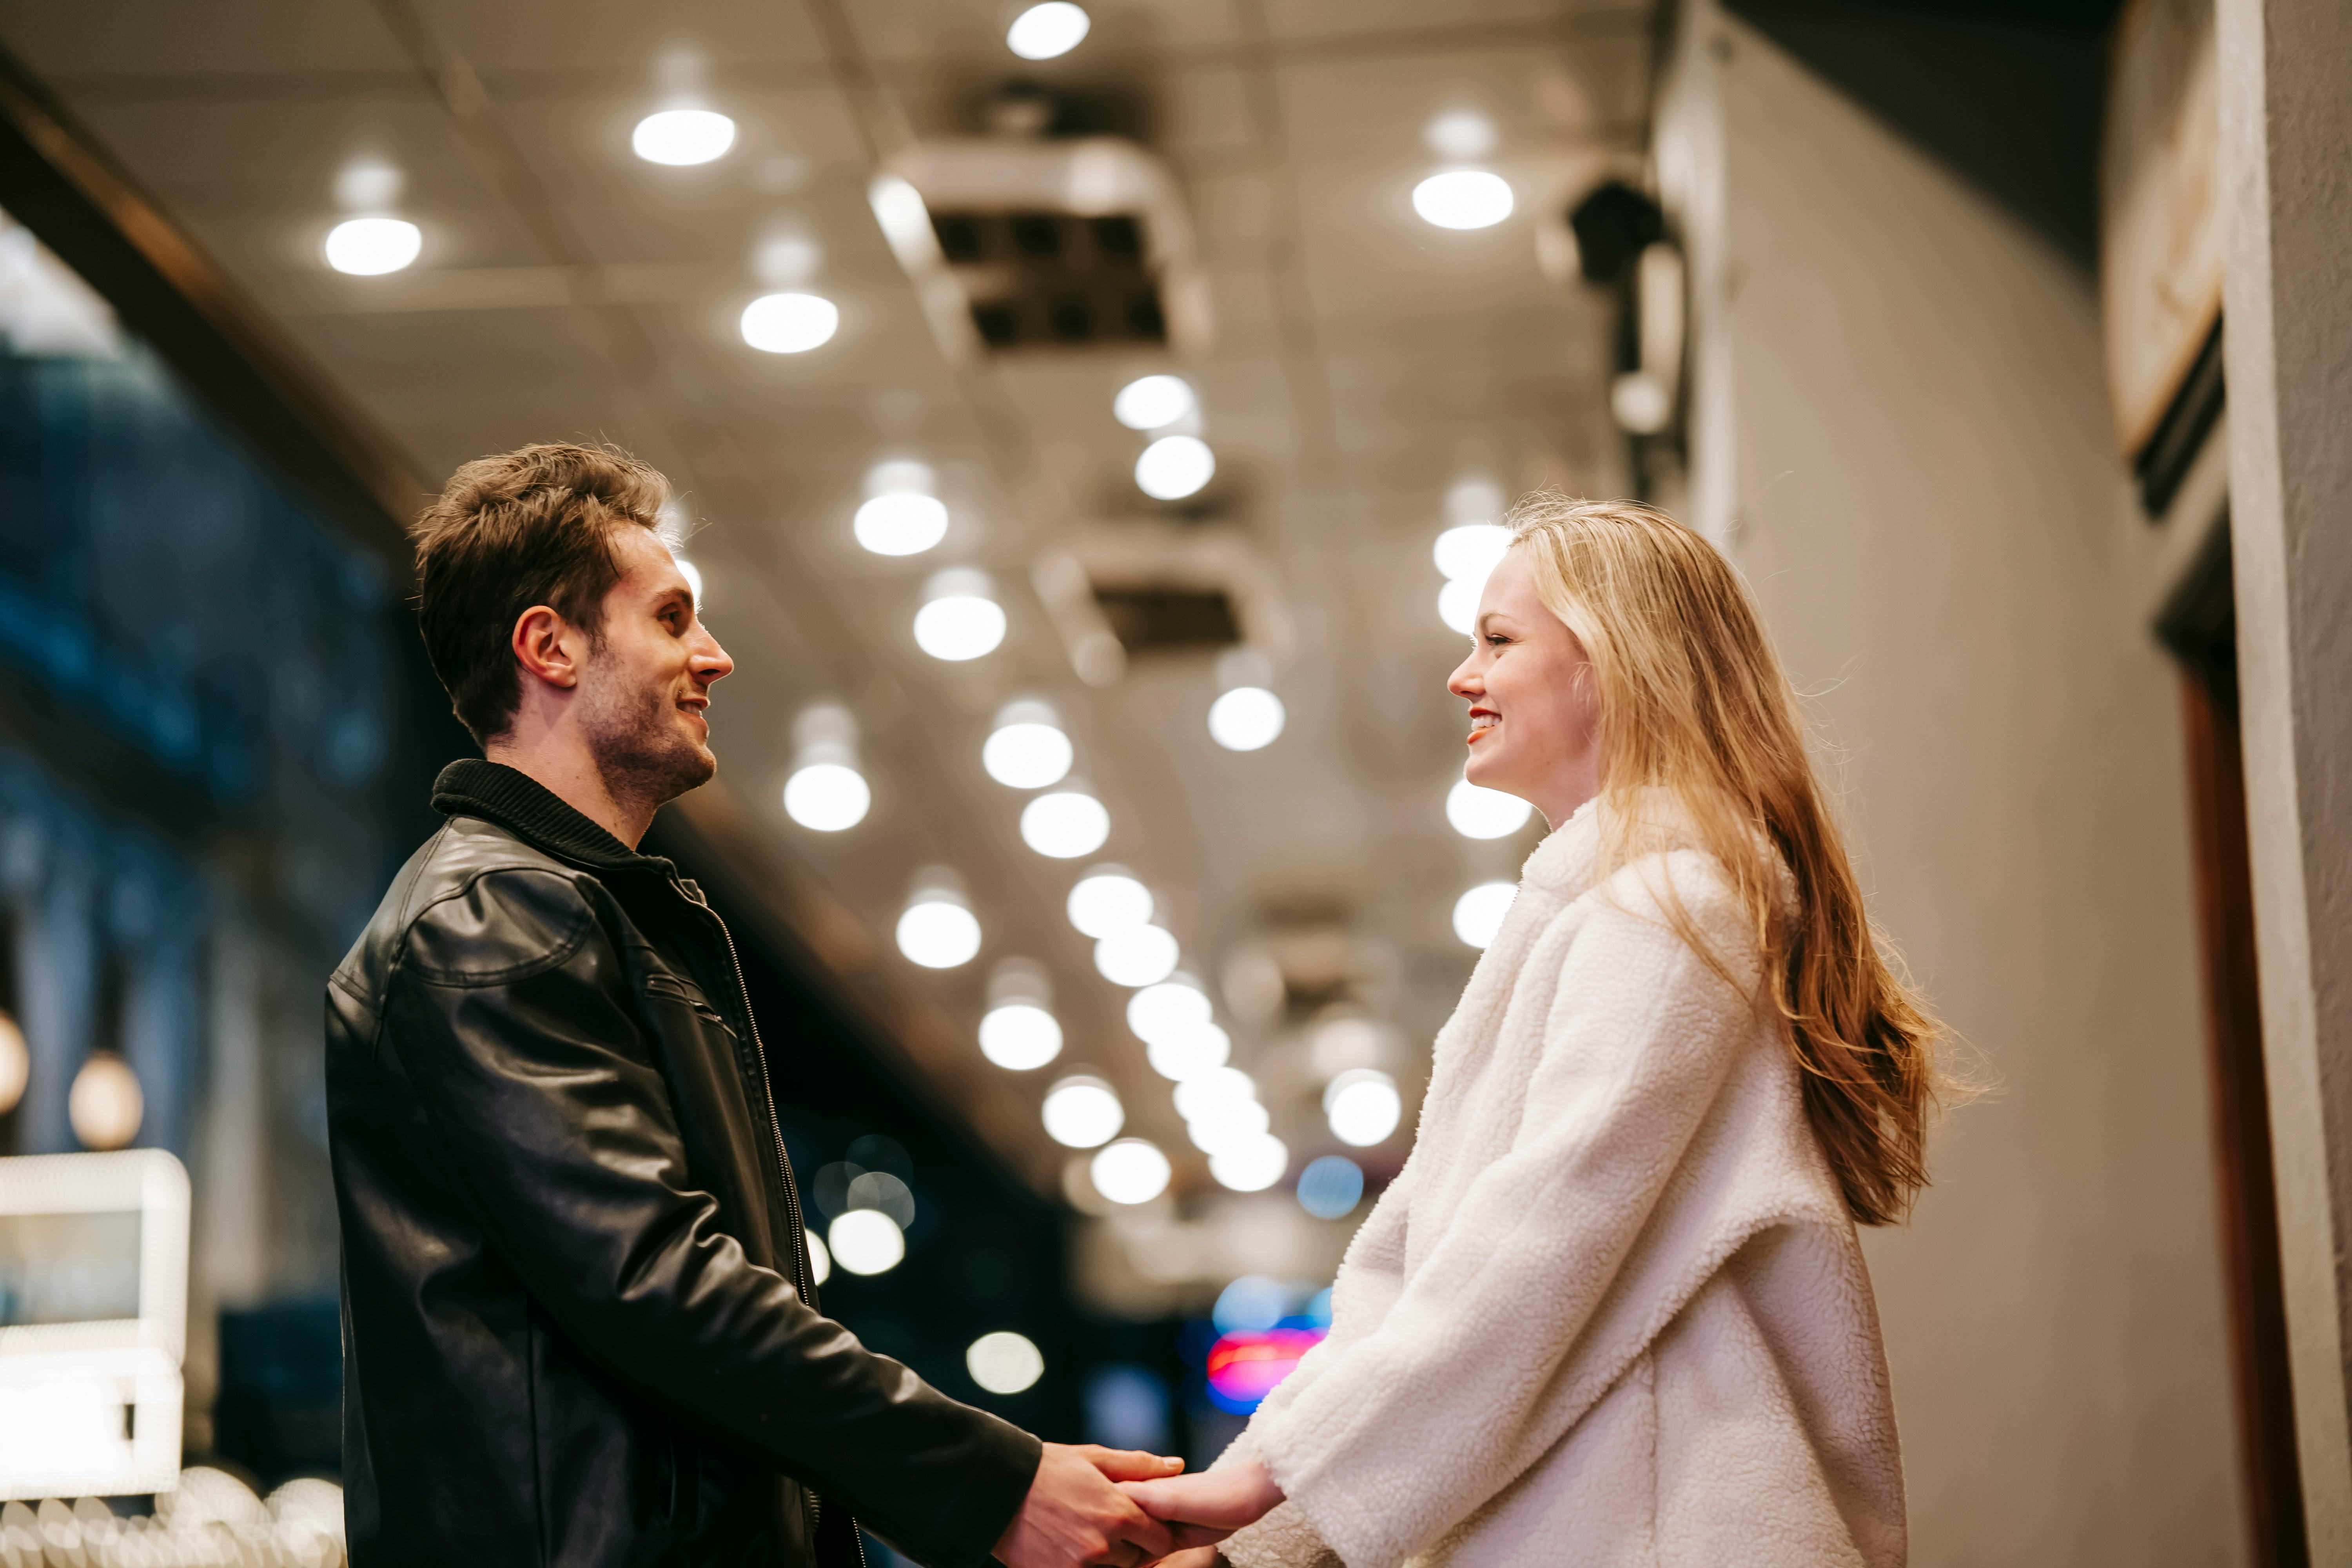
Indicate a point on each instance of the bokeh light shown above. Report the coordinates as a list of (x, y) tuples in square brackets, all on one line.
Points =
[(1020, 1037), (1048, 31), (1175, 466), (820, 1260), (1004, 1362), (679, 137), (828, 797), (1331, 1187), (1251, 1167), (1478, 813), (1464, 198), (1245, 719), (1083, 1113), (938, 932), (788, 323), (866, 1241), (1065, 825), (1362, 1105), (1153, 402), (1107, 899), (371, 246), (1478, 913), (1130, 1171)]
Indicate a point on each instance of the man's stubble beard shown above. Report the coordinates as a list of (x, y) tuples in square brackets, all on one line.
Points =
[(635, 736)]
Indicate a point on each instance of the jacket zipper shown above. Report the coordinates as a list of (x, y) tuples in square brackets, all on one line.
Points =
[(791, 1197)]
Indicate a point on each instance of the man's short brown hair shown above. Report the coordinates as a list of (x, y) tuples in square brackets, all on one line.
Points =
[(533, 526)]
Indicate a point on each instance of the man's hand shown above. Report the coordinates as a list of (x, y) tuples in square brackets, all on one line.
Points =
[(1203, 1508), (1192, 1557), (1074, 1516)]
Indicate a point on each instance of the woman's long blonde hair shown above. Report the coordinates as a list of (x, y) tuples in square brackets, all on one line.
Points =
[(1693, 702)]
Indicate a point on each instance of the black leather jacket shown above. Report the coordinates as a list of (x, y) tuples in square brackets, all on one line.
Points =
[(578, 1325)]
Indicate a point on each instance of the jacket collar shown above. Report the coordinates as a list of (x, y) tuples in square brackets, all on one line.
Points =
[(519, 802)]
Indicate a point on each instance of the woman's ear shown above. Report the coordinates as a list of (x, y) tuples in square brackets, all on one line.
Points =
[(543, 644)]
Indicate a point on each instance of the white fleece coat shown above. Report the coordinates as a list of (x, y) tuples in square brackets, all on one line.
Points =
[(1613, 1311)]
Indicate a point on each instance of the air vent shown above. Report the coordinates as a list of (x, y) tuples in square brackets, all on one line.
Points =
[(1162, 619), (1016, 244)]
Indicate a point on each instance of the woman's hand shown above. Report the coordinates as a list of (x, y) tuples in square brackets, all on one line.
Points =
[(1195, 1557), (1206, 1507)]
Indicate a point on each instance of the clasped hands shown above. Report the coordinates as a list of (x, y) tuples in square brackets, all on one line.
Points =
[(1096, 1506)]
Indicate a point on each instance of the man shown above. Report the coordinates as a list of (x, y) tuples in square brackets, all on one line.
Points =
[(579, 1326)]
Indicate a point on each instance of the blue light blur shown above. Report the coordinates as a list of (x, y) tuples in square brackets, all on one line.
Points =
[(1249, 1304), (1331, 1187)]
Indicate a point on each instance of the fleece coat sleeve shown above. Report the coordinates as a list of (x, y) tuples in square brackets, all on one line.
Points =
[(1404, 1433)]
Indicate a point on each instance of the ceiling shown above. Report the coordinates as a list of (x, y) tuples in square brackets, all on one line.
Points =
[(1363, 362)]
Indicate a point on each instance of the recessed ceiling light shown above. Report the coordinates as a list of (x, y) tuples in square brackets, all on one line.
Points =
[(938, 932), (828, 797), (790, 324), (1471, 551), (1153, 402), (901, 524), (1044, 32), (1136, 955), (1245, 719), (960, 621), (1027, 750), (1478, 813), (1004, 1361), (1083, 1113), (1363, 1106), (1175, 466), (1253, 1166), (1457, 603), (1478, 913), (1065, 825), (1130, 1171), (1462, 198), (681, 136), (371, 246), (1107, 899), (1020, 1036)]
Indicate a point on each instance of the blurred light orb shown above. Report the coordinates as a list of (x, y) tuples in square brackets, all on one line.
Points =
[(1083, 1113), (1153, 402), (679, 137), (1228, 1124), (1107, 901), (1168, 1011), (1246, 719), (15, 1063), (820, 1260), (1477, 812), (1175, 466), (828, 797), (960, 627), (693, 575), (1473, 550), (1251, 1167), (1130, 1171), (866, 1241), (1048, 31), (1478, 913), (790, 324), (1136, 955), (1457, 603), (1020, 1036), (1065, 825), (1463, 133), (1196, 1097), (1640, 402), (939, 934), (902, 523), (371, 246), (1251, 1304), (104, 1105), (1363, 1106), (1331, 1187), (1464, 198), (1202, 1048), (1027, 755), (1004, 1362)]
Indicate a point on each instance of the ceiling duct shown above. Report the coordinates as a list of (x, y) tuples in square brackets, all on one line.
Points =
[(1016, 244), (1120, 591)]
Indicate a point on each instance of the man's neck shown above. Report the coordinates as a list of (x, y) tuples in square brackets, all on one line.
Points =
[(572, 775)]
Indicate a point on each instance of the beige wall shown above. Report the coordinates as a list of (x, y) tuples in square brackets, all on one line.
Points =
[(1904, 437)]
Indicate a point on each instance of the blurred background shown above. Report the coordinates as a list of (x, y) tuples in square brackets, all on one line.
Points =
[(1089, 426)]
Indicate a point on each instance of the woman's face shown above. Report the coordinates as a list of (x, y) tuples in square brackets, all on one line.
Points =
[(1535, 709)]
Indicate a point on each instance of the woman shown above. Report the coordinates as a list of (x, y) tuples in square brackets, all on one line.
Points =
[(1613, 1309)]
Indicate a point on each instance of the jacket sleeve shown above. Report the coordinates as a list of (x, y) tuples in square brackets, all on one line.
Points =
[(1409, 1430), (509, 1026)]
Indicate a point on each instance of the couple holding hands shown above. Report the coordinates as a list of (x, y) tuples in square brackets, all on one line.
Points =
[(1612, 1311)]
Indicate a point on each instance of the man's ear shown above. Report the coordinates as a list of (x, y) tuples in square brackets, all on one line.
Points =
[(543, 644)]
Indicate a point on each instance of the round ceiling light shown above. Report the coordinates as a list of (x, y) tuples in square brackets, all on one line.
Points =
[(1464, 198), (1362, 1105), (1331, 1187), (682, 136), (1136, 955), (104, 1106), (902, 523), (1251, 1167), (1083, 1113), (1175, 466), (1463, 133), (1478, 813), (1130, 1171), (1004, 1362), (15, 1063), (828, 797), (1471, 551), (866, 1241), (1020, 1037), (1048, 31), (371, 246), (1246, 719), (1107, 899), (1065, 825), (1478, 913), (790, 324), (1153, 402), (1457, 603), (820, 1260), (961, 621), (1227, 1124), (1166, 1011), (938, 932), (1197, 1098), (1188, 1054), (1027, 754)]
